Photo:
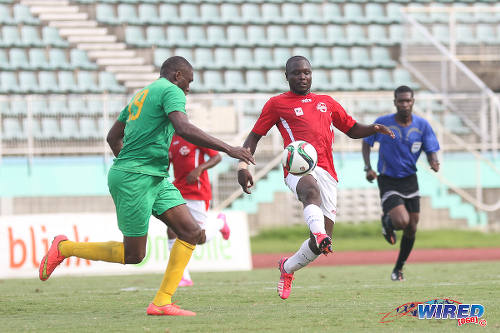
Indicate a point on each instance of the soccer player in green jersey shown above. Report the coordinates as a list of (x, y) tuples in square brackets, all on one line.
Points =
[(140, 140)]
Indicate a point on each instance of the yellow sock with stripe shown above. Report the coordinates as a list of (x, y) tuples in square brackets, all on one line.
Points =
[(179, 258), (105, 251)]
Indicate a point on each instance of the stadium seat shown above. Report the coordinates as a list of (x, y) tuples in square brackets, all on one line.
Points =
[(95, 106), (127, 14), (320, 80), (5, 17), (47, 82), (316, 35), (276, 36), (280, 56), (465, 35), (271, 13), (251, 14), (88, 129), (105, 13), (332, 14), (353, 13), (396, 34), (486, 34), (22, 15), (18, 106), (296, 35), (381, 58), (4, 61), (420, 16), (209, 14), (335, 35), (402, 77), (377, 35), (229, 14), (312, 13), (394, 13), (9, 83), (169, 14), (256, 36), (79, 59), (39, 106), (148, 14), (57, 106), (234, 81), (69, 129), (18, 59), (341, 58), (441, 32), (160, 55), (216, 36), (375, 13), (38, 60), (58, 59), (321, 57), (134, 35), (301, 51), (360, 58), (186, 52), (12, 129), (67, 82), (30, 37), (196, 36), (356, 35), (243, 58), (10, 37), (290, 12), (213, 81), (340, 80), (276, 80), (29, 84), (263, 57), (155, 36), (463, 16), (51, 37), (361, 80), (77, 106), (438, 14), (189, 14), (86, 82), (483, 14), (203, 58), (224, 58), (382, 79)]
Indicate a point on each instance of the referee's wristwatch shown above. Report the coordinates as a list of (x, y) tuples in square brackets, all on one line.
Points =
[(367, 168)]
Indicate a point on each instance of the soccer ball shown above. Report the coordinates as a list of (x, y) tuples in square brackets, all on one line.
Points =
[(299, 158)]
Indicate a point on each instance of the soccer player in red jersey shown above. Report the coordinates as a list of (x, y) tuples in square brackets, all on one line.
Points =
[(302, 115), (191, 179)]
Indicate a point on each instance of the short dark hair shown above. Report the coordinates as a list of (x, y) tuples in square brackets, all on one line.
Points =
[(293, 59), (403, 89), (174, 64)]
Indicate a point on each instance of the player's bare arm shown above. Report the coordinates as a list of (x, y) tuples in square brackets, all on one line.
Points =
[(245, 178), (115, 137), (370, 173), (433, 161), (192, 177), (198, 137), (359, 130)]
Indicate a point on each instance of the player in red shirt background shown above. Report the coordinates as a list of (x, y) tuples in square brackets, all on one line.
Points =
[(191, 179), (302, 115)]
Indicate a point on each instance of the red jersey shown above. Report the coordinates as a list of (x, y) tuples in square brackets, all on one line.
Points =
[(186, 156), (308, 117)]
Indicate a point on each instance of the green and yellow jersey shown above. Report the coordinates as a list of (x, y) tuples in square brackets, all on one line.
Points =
[(148, 131)]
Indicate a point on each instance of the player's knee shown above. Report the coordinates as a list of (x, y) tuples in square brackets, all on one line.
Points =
[(311, 195), (192, 236), (135, 258)]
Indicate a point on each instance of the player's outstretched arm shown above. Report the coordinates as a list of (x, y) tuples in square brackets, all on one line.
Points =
[(245, 178), (196, 136), (433, 161), (115, 137), (359, 130), (194, 174)]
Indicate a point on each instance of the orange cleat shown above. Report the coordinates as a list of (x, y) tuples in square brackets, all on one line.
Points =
[(52, 259), (285, 282), (168, 310)]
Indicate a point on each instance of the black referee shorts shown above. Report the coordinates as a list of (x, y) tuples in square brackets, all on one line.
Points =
[(399, 191)]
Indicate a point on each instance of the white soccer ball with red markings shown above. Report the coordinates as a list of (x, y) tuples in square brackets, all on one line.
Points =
[(299, 158)]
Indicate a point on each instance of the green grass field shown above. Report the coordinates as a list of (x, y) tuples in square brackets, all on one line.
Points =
[(367, 236), (324, 299)]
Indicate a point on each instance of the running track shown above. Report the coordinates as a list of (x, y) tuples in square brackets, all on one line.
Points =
[(386, 257)]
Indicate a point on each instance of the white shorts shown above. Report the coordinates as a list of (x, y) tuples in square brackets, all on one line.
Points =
[(327, 187), (197, 208)]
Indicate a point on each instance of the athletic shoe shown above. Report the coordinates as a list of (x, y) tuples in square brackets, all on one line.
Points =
[(225, 231), (324, 243), (185, 283), (168, 310), (285, 283), (397, 275), (52, 259), (388, 230)]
